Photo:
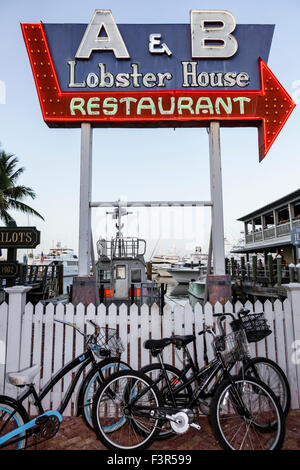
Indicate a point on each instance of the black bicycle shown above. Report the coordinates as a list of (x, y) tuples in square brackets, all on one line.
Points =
[(261, 368), (15, 426), (244, 412)]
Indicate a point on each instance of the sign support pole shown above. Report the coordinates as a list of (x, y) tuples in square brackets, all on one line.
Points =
[(85, 199), (84, 287), (217, 198), (218, 284)]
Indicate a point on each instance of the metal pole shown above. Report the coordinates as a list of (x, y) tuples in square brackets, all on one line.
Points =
[(85, 199), (217, 199)]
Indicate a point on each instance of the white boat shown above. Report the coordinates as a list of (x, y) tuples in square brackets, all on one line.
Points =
[(59, 254), (161, 264), (186, 273)]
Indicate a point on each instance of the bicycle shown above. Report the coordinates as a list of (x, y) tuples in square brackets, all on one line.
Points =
[(16, 427), (261, 368), (244, 412)]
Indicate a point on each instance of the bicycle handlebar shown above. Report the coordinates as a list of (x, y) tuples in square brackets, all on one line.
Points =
[(76, 327)]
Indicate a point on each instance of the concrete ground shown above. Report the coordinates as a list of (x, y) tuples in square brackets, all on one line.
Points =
[(74, 435)]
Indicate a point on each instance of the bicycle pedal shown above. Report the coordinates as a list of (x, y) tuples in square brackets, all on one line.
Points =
[(196, 426)]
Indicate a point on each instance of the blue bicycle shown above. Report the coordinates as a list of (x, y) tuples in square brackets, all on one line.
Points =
[(17, 431)]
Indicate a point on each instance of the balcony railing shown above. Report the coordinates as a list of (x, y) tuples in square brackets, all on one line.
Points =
[(269, 232), (283, 229)]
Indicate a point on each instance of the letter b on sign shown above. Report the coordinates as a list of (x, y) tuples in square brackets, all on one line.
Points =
[(211, 34)]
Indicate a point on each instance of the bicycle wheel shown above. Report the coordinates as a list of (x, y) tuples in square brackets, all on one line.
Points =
[(92, 382), (12, 416), (176, 378), (127, 397), (240, 413), (272, 375)]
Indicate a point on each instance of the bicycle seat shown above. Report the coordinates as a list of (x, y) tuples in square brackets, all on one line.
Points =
[(181, 341), (23, 377), (157, 343)]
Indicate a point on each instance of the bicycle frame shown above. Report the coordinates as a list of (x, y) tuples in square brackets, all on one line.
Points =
[(83, 360)]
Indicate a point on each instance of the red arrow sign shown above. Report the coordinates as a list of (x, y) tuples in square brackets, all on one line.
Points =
[(267, 108)]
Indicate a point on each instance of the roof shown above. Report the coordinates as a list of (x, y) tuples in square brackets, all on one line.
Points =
[(272, 205)]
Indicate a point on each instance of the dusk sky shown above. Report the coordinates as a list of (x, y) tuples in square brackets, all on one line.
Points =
[(144, 164)]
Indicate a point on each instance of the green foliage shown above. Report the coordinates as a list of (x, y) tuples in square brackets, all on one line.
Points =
[(12, 194)]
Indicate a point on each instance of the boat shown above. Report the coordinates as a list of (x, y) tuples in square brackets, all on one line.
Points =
[(185, 273), (122, 272), (58, 255), (193, 267), (161, 263)]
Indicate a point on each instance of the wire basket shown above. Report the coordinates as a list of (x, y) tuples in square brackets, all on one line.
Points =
[(255, 326), (109, 342), (232, 347)]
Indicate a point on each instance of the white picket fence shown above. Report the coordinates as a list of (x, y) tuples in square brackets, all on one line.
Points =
[(50, 344)]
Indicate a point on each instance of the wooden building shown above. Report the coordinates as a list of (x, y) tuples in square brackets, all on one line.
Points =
[(268, 229)]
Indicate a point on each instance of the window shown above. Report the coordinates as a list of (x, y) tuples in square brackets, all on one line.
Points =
[(136, 275), (104, 275), (121, 272)]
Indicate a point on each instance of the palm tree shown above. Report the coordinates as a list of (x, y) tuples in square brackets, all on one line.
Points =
[(11, 194)]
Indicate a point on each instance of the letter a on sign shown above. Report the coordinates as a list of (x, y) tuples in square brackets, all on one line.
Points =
[(102, 34), (210, 33)]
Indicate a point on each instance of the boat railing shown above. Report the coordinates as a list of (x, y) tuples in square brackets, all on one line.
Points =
[(121, 247)]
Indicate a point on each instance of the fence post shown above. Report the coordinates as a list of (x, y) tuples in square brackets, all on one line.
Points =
[(16, 308), (293, 340)]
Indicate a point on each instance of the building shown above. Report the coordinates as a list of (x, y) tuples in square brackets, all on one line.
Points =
[(268, 229)]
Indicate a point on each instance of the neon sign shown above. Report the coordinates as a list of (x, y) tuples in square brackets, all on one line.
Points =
[(158, 75)]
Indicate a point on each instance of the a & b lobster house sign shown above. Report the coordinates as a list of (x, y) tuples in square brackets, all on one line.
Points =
[(153, 75)]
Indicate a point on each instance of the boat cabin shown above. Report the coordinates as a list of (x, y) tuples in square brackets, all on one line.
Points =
[(122, 273)]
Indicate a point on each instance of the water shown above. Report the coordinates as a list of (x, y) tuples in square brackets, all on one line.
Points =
[(177, 294)]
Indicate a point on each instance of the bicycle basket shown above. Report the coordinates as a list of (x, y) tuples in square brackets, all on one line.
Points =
[(232, 347), (109, 341), (255, 326)]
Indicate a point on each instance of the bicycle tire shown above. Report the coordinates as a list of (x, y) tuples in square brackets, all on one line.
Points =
[(107, 409), (226, 424), (284, 401), (90, 383), (176, 375), (9, 406)]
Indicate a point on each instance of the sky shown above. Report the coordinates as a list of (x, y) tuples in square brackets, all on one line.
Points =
[(144, 164)]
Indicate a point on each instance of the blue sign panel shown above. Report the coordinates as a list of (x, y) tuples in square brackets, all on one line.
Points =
[(295, 236), (175, 69)]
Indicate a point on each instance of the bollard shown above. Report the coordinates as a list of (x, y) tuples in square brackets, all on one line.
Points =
[(292, 272), (279, 270)]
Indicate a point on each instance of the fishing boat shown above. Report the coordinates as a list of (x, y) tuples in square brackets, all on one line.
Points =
[(122, 273)]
